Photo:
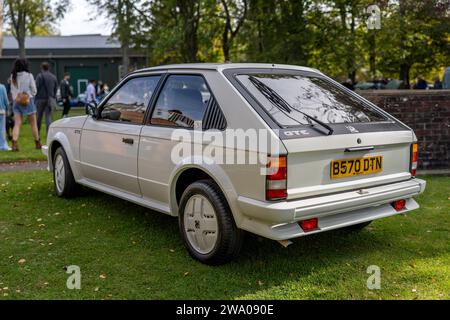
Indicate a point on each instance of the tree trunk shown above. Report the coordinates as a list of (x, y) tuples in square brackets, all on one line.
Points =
[(351, 53), (404, 75), (21, 34), (189, 11), (125, 59), (372, 53), (226, 40), (22, 51), (225, 47)]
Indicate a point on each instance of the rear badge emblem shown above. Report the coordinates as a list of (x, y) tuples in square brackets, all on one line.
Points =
[(297, 133), (359, 141), (352, 129)]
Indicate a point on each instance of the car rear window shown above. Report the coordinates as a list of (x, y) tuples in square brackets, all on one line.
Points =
[(305, 96)]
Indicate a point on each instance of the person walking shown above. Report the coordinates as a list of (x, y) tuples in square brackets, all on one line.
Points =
[(23, 91), (47, 87), (66, 94), (4, 103), (91, 92)]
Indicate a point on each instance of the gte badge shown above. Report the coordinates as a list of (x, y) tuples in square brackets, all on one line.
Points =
[(296, 133)]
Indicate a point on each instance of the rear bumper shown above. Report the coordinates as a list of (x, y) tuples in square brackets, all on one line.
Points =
[(279, 221)]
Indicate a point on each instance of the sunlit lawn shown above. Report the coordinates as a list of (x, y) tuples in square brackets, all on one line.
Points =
[(128, 252), (26, 141)]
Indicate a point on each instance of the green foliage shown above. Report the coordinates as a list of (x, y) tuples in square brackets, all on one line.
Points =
[(331, 35)]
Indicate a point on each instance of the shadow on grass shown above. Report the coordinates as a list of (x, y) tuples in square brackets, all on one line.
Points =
[(261, 265)]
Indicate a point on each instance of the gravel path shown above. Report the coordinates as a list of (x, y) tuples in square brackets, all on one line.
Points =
[(23, 166)]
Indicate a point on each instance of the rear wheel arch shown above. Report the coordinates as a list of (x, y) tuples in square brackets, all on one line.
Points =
[(191, 174)]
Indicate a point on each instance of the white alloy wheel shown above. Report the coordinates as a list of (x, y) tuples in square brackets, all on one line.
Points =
[(60, 173), (201, 224)]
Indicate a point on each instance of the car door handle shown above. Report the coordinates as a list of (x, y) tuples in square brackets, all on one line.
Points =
[(128, 141), (358, 149)]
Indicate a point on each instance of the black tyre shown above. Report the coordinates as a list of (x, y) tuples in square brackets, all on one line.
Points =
[(63, 180), (207, 226), (358, 227)]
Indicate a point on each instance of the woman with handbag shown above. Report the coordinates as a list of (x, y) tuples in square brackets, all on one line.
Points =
[(23, 90)]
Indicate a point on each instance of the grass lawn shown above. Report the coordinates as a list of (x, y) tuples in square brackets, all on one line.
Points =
[(127, 252), (26, 142)]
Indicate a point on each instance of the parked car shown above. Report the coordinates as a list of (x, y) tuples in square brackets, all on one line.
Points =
[(335, 159)]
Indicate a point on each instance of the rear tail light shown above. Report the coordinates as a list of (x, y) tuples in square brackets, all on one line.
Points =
[(276, 179), (309, 225), (414, 158), (399, 205)]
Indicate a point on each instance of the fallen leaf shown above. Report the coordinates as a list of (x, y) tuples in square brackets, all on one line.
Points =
[(260, 283), (103, 276), (414, 290), (96, 289), (171, 250), (186, 274), (22, 261)]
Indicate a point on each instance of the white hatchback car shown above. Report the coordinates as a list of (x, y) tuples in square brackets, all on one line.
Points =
[(325, 158)]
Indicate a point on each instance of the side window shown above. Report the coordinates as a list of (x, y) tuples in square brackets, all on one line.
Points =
[(182, 101), (130, 102)]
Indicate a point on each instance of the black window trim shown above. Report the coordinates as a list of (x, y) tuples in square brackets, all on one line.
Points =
[(125, 80), (391, 123), (154, 100)]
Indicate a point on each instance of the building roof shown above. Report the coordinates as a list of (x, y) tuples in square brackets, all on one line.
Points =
[(224, 66), (91, 41)]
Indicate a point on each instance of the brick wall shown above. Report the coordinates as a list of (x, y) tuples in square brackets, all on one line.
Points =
[(427, 112)]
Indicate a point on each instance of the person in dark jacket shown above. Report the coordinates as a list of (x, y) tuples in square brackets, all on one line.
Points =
[(421, 84), (437, 83), (66, 94), (47, 87)]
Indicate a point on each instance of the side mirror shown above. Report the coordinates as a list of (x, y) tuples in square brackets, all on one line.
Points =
[(92, 110)]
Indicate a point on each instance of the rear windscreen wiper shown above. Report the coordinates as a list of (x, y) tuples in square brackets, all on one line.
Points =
[(283, 105)]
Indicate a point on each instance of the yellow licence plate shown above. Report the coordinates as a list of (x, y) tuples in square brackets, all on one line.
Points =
[(358, 166)]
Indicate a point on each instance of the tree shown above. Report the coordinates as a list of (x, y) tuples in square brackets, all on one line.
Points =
[(128, 19), (414, 35), (235, 15), (182, 29), (26, 17)]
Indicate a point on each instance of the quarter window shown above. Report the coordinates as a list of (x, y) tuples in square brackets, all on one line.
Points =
[(182, 102), (130, 102)]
